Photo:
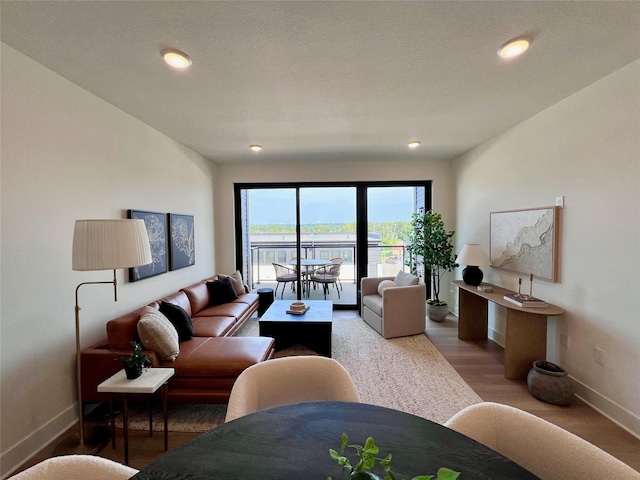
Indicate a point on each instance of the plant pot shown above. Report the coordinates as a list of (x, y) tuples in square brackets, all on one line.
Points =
[(550, 383), (437, 313), (132, 372)]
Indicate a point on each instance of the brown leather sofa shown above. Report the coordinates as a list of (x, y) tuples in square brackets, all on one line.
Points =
[(207, 365)]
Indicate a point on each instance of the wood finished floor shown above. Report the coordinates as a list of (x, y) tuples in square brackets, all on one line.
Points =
[(479, 363)]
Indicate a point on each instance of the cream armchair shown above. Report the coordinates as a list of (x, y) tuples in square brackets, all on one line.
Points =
[(397, 310)]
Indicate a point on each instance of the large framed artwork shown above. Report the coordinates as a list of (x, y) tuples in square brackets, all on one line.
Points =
[(526, 241), (156, 224), (182, 251)]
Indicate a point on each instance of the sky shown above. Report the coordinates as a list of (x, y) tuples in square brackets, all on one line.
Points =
[(328, 205)]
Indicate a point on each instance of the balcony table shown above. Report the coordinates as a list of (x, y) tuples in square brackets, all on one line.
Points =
[(309, 264), (292, 442)]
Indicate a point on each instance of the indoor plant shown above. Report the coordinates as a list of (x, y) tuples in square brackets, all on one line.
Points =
[(431, 248), (367, 456), (136, 363)]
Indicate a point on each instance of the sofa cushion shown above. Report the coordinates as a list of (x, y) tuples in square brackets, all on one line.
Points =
[(212, 326), (220, 357), (385, 284), (123, 330), (404, 279), (198, 295), (179, 298), (157, 334), (232, 309), (221, 291), (373, 302), (179, 318), (247, 298), (236, 279)]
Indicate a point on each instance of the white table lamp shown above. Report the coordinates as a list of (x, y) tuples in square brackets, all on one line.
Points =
[(473, 256)]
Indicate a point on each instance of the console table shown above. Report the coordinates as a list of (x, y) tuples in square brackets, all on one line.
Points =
[(526, 336)]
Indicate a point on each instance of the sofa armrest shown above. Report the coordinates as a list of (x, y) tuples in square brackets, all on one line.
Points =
[(369, 285)]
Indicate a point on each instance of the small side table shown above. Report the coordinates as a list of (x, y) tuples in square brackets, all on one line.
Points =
[(149, 382)]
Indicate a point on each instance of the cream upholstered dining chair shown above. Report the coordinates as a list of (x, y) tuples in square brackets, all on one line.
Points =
[(287, 380), (394, 306), (543, 448), (76, 467)]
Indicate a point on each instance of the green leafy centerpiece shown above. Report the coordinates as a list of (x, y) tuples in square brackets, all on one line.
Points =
[(367, 456), (136, 363)]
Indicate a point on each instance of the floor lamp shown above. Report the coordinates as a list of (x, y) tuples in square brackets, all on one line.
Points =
[(103, 245)]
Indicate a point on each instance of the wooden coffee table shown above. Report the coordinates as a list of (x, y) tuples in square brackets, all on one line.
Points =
[(312, 329)]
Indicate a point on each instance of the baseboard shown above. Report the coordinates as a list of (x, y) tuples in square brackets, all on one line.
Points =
[(607, 407), (24, 450), (497, 337)]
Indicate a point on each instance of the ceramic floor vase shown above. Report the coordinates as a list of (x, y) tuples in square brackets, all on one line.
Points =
[(550, 383)]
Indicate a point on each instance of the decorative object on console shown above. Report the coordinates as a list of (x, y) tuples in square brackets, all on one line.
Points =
[(473, 256), (156, 225), (523, 300), (102, 245), (182, 252), (526, 241), (431, 248)]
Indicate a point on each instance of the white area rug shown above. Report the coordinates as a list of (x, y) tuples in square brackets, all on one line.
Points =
[(407, 374)]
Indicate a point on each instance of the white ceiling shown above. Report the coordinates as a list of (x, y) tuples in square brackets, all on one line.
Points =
[(327, 79)]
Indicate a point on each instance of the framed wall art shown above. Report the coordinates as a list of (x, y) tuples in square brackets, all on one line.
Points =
[(156, 224), (182, 251), (526, 241)]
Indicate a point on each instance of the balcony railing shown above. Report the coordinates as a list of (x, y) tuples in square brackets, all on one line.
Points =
[(383, 260)]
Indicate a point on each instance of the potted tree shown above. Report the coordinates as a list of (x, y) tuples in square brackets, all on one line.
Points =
[(431, 249)]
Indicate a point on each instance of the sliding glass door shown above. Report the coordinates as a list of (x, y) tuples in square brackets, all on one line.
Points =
[(316, 241)]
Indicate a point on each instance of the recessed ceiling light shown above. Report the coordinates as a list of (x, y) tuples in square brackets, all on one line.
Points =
[(514, 48), (256, 148), (176, 58), (414, 144)]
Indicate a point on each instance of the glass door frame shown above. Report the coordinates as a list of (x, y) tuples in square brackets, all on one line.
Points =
[(361, 254)]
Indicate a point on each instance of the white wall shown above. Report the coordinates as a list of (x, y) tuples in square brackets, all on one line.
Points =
[(587, 148), (67, 154), (330, 170)]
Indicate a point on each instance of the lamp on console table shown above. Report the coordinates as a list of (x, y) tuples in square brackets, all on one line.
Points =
[(102, 245), (473, 256)]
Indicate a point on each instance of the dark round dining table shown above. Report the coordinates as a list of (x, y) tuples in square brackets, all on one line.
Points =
[(292, 442)]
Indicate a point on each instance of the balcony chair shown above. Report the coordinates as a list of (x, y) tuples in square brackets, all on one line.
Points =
[(77, 467), (326, 276), (288, 380), (284, 275), (394, 306), (543, 448)]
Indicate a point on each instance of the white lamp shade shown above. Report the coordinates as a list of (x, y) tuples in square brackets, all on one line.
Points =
[(473, 254), (110, 244)]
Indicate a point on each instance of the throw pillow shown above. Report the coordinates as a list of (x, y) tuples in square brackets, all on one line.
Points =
[(179, 318), (385, 284), (221, 291), (404, 279), (236, 279), (156, 333)]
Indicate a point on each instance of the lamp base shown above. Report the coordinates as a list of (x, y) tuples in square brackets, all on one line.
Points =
[(94, 442), (472, 275)]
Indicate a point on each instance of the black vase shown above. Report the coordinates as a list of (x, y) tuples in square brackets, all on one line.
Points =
[(132, 372)]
